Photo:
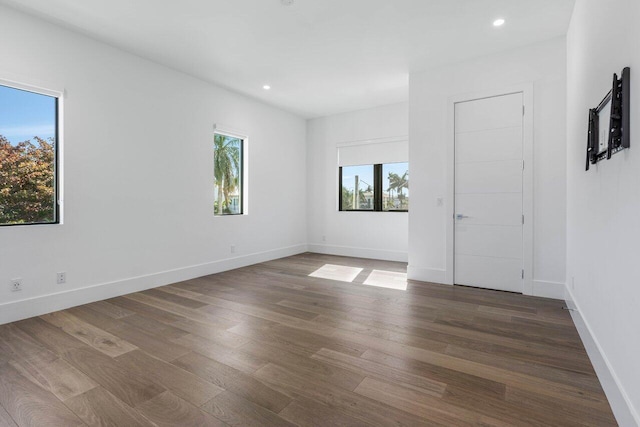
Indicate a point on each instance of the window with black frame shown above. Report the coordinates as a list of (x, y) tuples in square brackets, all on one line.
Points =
[(28, 157), (228, 170), (395, 187), (382, 187)]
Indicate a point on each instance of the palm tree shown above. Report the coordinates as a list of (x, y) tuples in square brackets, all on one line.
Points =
[(397, 183), (363, 197), (394, 181), (226, 168), (403, 182), (347, 198)]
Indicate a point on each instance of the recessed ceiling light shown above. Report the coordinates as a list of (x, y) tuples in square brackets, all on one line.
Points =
[(266, 87), (498, 22)]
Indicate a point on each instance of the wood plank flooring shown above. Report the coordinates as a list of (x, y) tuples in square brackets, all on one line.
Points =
[(268, 345)]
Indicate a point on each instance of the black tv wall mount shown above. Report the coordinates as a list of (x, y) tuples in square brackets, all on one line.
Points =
[(616, 103)]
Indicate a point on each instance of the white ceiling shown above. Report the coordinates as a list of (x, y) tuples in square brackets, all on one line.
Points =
[(320, 56)]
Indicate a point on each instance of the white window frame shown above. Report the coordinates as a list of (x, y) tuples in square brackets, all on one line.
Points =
[(59, 158)]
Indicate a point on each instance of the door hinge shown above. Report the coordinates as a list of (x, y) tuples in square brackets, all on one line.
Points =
[(523, 110), (523, 165), (522, 219), (523, 273)]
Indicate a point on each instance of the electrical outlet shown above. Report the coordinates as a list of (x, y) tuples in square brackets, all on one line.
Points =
[(61, 277), (324, 238), (233, 249), (15, 285)]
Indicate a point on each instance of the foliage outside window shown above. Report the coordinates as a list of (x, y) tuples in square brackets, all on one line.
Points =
[(357, 180), (28, 147), (395, 186), (379, 187), (227, 169)]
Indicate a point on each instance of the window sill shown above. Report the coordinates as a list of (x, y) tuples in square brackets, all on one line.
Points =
[(30, 224)]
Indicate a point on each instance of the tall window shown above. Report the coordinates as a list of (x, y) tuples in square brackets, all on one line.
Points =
[(227, 169), (379, 187), (28, 157)]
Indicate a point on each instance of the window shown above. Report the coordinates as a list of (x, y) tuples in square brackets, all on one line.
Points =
[(395, 187), (379, 187), (28, 157), (228, 170), (357, 188)]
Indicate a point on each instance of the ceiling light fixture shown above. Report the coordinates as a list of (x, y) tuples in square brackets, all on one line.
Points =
[(266, 87), (498, 22)]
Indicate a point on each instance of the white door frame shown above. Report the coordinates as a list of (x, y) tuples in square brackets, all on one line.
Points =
[(527, 177)]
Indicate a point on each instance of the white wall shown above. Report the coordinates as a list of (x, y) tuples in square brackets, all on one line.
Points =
[(380, 235), (603, 205), (138, 175), (430, 97)]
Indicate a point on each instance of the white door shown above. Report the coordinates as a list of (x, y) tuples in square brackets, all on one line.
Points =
[(488, 193)]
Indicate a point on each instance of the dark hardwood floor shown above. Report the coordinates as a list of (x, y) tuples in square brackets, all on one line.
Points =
[(268, 345)]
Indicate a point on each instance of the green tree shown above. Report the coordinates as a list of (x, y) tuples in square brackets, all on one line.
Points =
[(226, 168), (347, 198), (363, 196), (393, 186), (397, 183), (403, 182), (27, 181)]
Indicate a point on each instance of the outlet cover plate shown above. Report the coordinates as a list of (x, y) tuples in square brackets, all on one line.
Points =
[(15, 285)]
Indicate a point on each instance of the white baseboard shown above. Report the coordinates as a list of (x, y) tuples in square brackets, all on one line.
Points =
[(621, 405), (541, 288), (554, 290), (359, 252), (432, 275), (24, 309)]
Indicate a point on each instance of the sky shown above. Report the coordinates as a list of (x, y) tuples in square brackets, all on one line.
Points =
[(364, 173), (24, 115)]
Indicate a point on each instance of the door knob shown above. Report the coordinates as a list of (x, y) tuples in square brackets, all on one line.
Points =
[(460, 216)]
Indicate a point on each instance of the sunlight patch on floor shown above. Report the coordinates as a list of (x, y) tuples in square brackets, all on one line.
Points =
[(387, 279), (337, 272)]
